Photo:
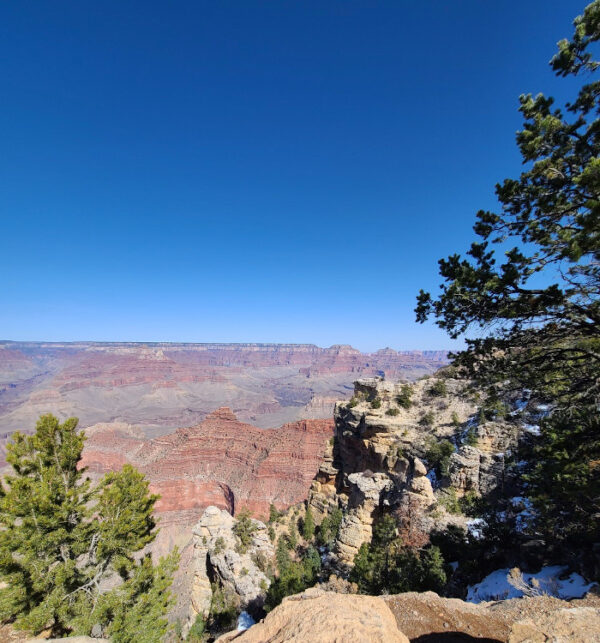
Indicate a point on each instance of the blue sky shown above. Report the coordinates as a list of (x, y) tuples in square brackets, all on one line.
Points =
[(253, 171)]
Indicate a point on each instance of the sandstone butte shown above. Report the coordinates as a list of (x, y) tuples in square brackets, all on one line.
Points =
[(221, 462)]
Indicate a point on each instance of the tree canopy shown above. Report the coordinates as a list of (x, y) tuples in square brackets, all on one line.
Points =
[(530, 287), (63, 542), (538, 305)]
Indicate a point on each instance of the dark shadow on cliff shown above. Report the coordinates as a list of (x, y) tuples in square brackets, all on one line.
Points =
[(452, 637)]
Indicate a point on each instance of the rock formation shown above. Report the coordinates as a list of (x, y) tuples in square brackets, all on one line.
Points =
[(378, 462), (326, 617), (424, 617), (219, 559), (221, 462)]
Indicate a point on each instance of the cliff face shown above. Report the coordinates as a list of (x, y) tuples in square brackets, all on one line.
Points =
[(221, 462), (379, 461), (218, 558)]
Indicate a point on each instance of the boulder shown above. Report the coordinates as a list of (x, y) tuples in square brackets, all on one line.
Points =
[(326, 617)]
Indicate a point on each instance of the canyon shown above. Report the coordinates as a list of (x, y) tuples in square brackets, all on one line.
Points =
[(220, 461), (160, 387)]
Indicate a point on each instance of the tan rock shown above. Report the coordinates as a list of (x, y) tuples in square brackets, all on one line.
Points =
[(419, 469), (326, 617), (238, 573), (575, 625)]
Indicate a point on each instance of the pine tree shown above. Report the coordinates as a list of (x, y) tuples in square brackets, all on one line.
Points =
[(308, 525), (530, 285), (45, 526), (60, 539), (538, 301)]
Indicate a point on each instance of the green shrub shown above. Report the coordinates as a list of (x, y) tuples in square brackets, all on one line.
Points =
[(292, 536), (438, 389), (244, 530), (386, 565), (219, 545), (404, 398), (197, 631), (274, 513), (392, 411), (260, 559), (450, 502), (470, 438), (455, 419), (376, 403), (427, 419), (223, 608), (308, 525), (329, 528), (472, 504), (438, 456), (492, 409), (353, 402), (294, 576)]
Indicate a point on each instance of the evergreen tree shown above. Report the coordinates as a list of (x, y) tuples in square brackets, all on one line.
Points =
[(308, 525), (244, 530), (387, 566), (539, 302), (59, 538), (541, 333)]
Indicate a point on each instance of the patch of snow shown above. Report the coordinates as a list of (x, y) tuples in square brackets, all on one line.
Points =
[(523, 520), (475, 527), (534, 429), (432, 478), (521, 404), (244, 622), (521, 501), (495, 586)]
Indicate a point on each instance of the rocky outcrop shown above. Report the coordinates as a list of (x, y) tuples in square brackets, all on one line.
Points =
[(378, 462), (424, 617), (326, 617), (367, 492), (218, 558)]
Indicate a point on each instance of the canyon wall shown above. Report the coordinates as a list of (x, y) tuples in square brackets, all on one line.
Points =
[(161, 387), (220, 461)]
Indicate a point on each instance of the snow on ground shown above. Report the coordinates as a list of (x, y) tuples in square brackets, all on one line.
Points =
[(475, 527), (527, 514), (495, 586), (534, 429), (244, 622)]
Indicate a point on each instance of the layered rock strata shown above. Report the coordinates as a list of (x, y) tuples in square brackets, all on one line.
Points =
[(378, 462), (221, 462)]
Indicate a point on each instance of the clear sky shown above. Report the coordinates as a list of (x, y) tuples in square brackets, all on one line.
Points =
[(253, 170)]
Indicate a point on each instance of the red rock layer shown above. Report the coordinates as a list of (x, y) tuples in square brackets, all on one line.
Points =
[(221, 461)]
